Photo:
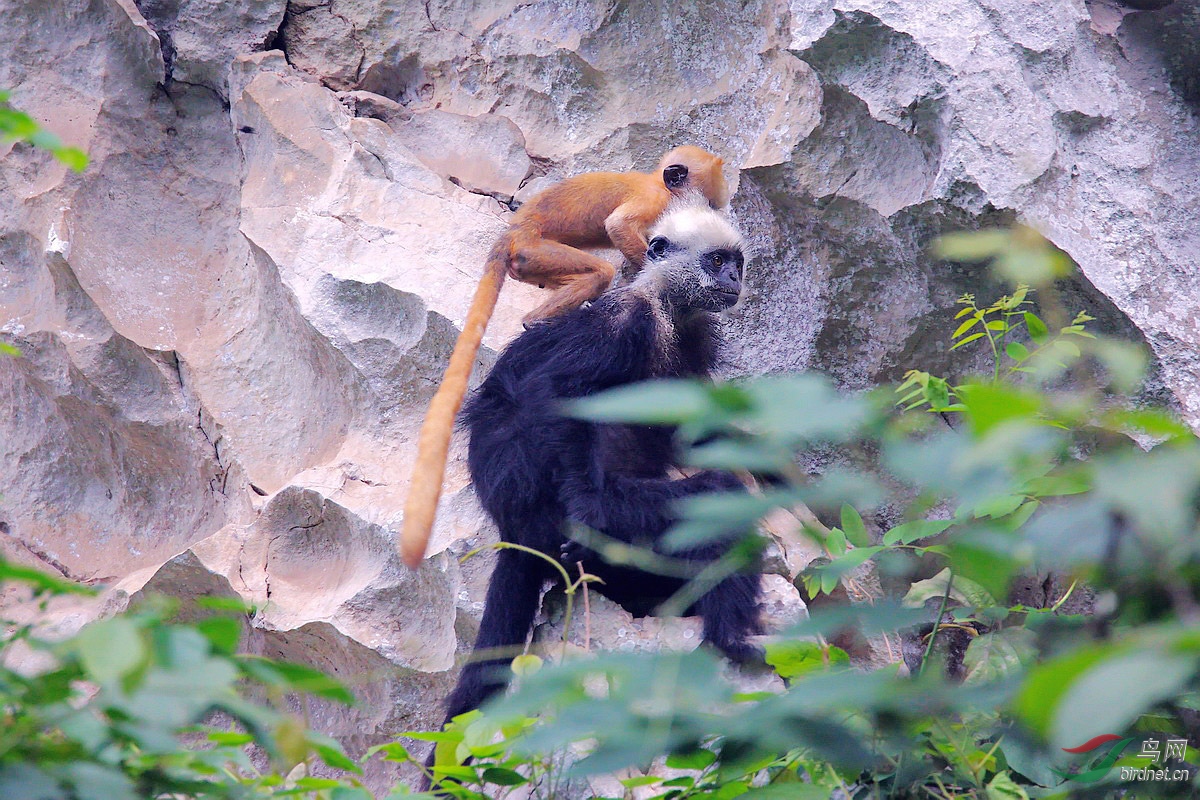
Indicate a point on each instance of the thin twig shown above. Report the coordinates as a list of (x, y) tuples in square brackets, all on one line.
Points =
[(1063, 599), (587, 611), (937, 624)]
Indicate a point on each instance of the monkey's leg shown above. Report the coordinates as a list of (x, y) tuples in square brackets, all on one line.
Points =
[(730, 611), (575, 275), (639, 511), (512, 600)]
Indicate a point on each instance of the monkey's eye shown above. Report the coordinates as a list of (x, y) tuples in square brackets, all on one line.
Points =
[(718, 260), (658, 247)]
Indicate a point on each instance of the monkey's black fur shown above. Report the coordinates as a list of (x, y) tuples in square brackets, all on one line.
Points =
[(535, 469)]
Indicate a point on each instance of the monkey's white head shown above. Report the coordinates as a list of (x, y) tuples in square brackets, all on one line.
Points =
[(695, 261)]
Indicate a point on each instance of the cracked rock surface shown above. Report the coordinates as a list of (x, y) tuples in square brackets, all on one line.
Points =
[(231, 323)]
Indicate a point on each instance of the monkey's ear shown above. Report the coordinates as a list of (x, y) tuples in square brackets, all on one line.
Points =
[(658, 248), (675, 176)]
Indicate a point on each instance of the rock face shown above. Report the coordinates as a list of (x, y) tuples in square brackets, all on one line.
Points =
[(232, 321)]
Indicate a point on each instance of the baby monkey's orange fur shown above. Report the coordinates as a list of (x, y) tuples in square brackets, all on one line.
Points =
[(542, 246), (598, 209)]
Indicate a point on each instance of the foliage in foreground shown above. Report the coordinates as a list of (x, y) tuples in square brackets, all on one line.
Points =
[(129, 708), (1038, 465), (16, 125), (1042, 465)]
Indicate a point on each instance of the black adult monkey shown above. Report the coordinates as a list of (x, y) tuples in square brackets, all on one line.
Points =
[(534, 469)]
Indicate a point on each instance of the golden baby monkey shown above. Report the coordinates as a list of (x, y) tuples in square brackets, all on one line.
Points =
[(542, 246)]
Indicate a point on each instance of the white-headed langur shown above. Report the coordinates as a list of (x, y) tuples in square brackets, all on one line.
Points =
[(537, 471)]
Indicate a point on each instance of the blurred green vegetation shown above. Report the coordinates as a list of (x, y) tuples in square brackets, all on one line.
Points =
[(1045, 463), (139, 706), (19, 126)]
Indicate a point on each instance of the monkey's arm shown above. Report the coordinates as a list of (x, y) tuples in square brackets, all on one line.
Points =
[(627, 225)]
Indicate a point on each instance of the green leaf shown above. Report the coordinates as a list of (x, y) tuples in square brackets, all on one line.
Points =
[(792, 658), (1068, 349), (526, 664), (914, 531), (1016, 351), (223, 633), (1017, 298), (1038, 331), (331, 753), (1108, 695), (1059, 485), (311, 783), (1035, 263), (851, 560), (994, 656), (836, 542), (98, 782), (73, 157), (666, 402), (110, 649), (971, 245), (966, 326), (502, 776), (229, 738), (788, 791), (697, 759), (392, 751), (1098, 689), (937, 393), (967, 340), (967, 592), (1150, 421), (990, 404), (731, 790), (295, 677), (1003, 787), (853, 527), (982, 564), (1125, 362), (40, 581)]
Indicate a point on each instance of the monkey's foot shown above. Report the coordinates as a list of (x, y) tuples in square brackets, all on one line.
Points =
[(528, 323), (743, 654)]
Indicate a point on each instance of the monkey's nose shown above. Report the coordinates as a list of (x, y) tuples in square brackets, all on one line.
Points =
[(729, 279)]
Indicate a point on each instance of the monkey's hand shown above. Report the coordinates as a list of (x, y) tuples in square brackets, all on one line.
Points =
[(573, 552)]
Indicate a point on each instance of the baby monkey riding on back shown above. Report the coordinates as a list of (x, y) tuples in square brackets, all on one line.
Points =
[(541, 246), (599, 209)]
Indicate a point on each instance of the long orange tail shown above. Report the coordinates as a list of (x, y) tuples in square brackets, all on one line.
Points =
[(434, 442)]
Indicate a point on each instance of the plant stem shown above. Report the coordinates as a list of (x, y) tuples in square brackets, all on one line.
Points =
[(937, 624), (569, 587), (1063, 599)]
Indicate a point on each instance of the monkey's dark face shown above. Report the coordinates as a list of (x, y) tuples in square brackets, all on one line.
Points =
[(703, 280), (675, 176), (724, 267)]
